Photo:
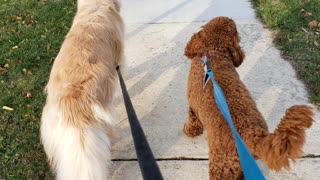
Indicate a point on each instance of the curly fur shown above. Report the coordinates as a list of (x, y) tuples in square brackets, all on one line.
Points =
[(219, 40), (77, 122)]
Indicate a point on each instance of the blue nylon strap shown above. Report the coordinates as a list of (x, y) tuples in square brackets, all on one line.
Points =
[(250, 169)]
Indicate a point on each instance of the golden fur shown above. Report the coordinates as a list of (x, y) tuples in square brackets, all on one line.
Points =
[(77, 119), (220, 41)]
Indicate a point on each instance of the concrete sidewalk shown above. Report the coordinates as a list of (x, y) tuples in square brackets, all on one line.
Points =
[(157, 32)]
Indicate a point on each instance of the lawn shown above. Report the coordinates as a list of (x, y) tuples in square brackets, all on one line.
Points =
[(297, 35), (31, 32)]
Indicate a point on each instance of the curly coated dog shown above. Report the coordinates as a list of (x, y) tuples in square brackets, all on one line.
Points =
[(219, 40)]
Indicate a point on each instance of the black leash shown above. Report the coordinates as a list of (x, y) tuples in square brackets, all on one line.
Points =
[(148, 165)]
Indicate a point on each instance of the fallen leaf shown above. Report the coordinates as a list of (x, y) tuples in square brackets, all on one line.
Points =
[(3, 70), (7, 108), (302, 10), (27, 94), (29, 26), (6, 66), (38, 58), (316, 43), (313, 24), (26, 115), (304, 29), (308, 14), (30, 73), (30, 21), (19, 18), (15, 47)]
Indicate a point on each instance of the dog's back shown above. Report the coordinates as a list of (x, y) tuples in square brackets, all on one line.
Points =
[(77, 123), (220, 43)]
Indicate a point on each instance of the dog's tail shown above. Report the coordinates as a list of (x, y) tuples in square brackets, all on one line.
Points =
[(76, 137), (287, 140)]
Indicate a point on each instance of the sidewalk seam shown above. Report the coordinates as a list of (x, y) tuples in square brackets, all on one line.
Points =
[(308, 156)]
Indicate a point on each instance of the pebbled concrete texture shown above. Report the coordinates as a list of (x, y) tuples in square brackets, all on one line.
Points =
[(156, 77), (198, 170)]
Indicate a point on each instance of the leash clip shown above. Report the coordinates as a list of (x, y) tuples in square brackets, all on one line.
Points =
[(207, 68)]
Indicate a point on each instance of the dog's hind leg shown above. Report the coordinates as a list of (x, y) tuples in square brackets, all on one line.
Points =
[(224, 162), (194, 126)]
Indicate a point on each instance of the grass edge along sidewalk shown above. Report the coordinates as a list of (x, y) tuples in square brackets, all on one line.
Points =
[(296, 26)]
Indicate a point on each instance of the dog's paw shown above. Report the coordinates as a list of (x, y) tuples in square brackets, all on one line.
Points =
[(192, 130)]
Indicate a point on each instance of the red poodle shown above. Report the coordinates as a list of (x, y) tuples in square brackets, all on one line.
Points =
[(219, 40)]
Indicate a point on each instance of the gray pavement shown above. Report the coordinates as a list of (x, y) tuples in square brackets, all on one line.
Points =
[(156, 77)]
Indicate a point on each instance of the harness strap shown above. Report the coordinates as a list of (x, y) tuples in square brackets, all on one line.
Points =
[(250, 169)]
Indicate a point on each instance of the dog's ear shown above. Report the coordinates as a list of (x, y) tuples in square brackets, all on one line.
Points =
[(195, 46), (236, 52)]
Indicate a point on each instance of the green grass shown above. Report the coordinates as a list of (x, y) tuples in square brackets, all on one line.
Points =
[(31, 32), (299, 43)]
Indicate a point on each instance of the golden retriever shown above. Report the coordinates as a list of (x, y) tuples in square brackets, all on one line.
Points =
[(77, 122)]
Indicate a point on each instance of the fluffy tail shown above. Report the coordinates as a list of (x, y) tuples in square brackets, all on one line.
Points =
[(287, 140), (78, 149)]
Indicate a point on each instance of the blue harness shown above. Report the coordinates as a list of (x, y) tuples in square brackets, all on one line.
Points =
[(249, 167)]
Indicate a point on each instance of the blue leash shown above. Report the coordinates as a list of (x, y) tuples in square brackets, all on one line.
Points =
[(250, 169)]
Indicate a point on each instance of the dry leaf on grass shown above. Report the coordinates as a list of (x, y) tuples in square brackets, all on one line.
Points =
[(27, 94), (19, 17), (304, 29), (7, 108), (308, 14), (313, 24), (29, 26), (3, 70), (30, 73)]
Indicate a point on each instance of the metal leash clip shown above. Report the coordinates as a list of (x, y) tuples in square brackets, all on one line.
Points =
[(207, 68)]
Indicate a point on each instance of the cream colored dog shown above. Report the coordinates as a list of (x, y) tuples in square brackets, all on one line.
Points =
[(76, 124)]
